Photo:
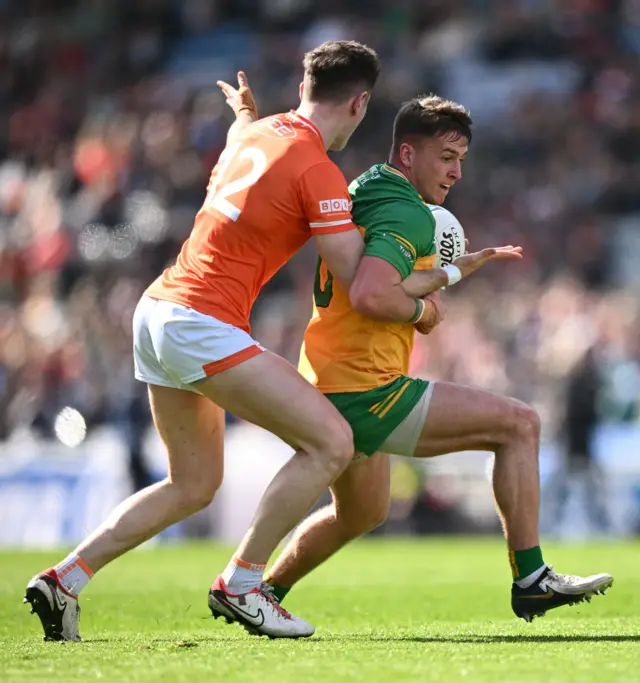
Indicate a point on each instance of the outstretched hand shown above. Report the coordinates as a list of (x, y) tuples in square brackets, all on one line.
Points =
[(469, 263), (240, 99)]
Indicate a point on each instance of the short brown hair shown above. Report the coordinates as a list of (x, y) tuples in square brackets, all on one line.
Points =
[(338, 68), (429, 116)]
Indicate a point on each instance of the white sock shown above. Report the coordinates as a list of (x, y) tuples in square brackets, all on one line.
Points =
[(532, 578), (73, 573), (242, 577)]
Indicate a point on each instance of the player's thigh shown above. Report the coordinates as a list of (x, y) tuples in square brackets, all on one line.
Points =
[(468, 418), (269, 392), (192, 430), (361, 493)]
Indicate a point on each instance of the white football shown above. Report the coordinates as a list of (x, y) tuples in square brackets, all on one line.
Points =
[(449, 236)]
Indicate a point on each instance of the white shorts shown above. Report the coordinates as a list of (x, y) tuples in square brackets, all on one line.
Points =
[(403, 440), (174, 346)]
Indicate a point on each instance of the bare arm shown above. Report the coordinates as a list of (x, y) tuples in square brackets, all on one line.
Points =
[(423, 282), (378, 293), (341, 252)]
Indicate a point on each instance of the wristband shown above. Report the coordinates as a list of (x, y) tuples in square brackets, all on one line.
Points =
[(420, 306), (454, 274)]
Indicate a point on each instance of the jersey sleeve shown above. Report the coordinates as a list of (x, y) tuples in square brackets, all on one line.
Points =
[(400, 232), (325, 199)]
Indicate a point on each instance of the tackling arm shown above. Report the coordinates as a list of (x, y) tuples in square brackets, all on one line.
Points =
[(378, 291)]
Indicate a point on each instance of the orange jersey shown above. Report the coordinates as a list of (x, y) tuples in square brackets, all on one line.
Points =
[(270, 191)]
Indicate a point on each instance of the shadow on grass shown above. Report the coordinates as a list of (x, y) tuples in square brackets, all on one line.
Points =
[(363, 638), (485, 639)]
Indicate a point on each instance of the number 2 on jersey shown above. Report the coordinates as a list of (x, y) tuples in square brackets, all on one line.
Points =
[(217, 195)]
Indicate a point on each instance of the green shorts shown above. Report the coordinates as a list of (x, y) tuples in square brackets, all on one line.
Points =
[(374, 414)]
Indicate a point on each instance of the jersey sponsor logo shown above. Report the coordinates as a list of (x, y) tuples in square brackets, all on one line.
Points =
[(372, 174), (335, 205)]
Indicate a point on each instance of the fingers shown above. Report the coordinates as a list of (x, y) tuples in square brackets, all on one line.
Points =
[(506, 253), (510, 248), (228, 90), (501, 252), (243, 81), (487, 253)]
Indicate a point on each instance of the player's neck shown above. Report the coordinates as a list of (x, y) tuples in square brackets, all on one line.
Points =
[(324, 119), (399, 166)]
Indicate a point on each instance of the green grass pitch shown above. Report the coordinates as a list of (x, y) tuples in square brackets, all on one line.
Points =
[(384, 610)]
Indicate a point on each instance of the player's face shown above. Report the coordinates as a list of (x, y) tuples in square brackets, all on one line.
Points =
[(435, 165), (355, 111)]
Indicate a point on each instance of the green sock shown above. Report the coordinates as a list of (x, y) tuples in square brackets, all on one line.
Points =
[(279, 592), (525, 562)]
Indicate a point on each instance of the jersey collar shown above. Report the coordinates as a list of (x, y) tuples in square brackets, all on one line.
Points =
[(393, 170), (305, 122), (390, 168)]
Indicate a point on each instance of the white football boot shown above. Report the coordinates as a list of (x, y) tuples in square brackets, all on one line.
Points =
[(555, 590), (258, 611), (58, 609)]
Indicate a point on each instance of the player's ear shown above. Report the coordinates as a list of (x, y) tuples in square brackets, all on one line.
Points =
[(301, 90), (406, 154), (359, 103)]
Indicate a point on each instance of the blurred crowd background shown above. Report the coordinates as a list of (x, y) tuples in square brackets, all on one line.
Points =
[(110, 123)]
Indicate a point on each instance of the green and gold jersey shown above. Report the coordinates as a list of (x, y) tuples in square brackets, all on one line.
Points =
[(343, 351)]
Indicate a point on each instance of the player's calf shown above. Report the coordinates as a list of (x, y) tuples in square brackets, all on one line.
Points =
[(360, 503)]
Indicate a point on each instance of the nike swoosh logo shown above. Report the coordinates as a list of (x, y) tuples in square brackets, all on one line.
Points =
[(253, 618), (62, 605), (544, 596)]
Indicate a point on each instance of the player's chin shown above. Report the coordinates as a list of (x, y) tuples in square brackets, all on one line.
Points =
[(436, 195), (441, 193)]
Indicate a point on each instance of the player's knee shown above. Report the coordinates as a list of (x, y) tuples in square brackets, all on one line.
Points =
[(369, 517), (198, 492), (359, 514), (524, 423), (335, 445)]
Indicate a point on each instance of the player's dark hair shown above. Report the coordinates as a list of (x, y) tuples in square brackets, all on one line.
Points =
[(428, 116), (339, 69)]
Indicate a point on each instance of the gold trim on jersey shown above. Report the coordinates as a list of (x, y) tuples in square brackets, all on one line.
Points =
[(383, 407), (395, 171), (405, 243), (400, 174)]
